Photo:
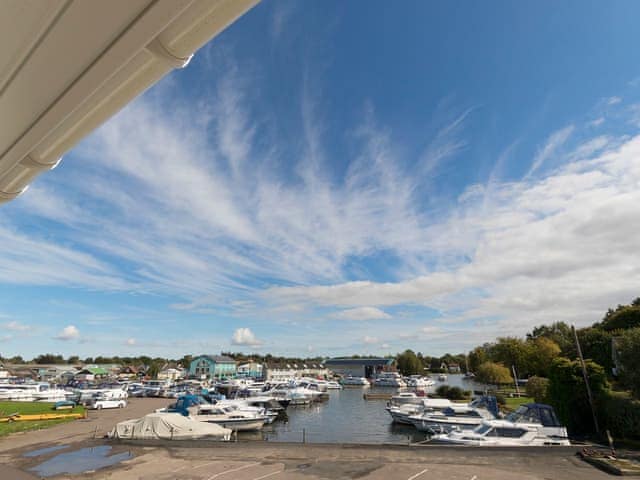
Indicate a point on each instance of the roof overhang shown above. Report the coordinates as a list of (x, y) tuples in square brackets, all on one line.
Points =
[(66, 66)]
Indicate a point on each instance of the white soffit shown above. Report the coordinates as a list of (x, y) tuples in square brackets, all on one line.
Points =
[(66, 66)]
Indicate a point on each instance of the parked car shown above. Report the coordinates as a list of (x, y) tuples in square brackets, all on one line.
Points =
[(100, 402)]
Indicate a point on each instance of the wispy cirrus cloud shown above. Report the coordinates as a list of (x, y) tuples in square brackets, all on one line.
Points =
[(362, 313), (15, 326), (553, 143)]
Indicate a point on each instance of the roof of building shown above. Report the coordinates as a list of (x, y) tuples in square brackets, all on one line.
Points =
[(94, 370), (368, 362), (66, 67), (216, 358)]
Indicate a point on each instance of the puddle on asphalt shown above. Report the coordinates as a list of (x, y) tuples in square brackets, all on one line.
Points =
[(80, 461), (44, 451)]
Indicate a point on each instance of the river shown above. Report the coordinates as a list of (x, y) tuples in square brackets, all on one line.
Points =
[(347, 418)]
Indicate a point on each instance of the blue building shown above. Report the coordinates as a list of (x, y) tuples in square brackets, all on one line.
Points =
[(212, 366)]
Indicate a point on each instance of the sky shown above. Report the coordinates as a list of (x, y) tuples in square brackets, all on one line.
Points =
[(334, 178)]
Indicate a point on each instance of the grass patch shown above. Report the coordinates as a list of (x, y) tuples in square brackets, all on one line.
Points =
[(31, 408), (514, 402)]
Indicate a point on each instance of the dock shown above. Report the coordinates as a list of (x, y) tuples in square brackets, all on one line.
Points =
[(377, 396)]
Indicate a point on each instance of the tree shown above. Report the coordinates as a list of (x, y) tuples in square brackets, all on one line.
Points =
[(560, 333), (493, 374), (628, 347), (537, 387), (624, 317), (596, 345), (153, 370), (408, 363), (73, 359), (477, 357), (48, 358), (511, 351), (185, 361), (542, 352), (568, 395)]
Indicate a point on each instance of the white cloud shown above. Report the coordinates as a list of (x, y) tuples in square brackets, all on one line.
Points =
[(5, 338), (367, 340), (361, 313), (613, 100), (245, 337), (70, 332), (188, 202), (550, 148), (384, 346), (130, 342), (561, 248), (16, 326)]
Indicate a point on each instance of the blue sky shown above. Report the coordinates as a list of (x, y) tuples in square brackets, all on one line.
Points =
[(345, 177)]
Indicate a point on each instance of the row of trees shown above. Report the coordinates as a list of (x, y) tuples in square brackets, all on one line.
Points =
[(411, 363)]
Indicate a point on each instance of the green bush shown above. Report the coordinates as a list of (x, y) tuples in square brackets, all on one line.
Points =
[(537, 387), (452, 393), (500, 398), (628, 345), (621, 415), (568, 395)]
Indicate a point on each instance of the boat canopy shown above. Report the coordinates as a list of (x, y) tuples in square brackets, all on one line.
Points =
[(535, 413)]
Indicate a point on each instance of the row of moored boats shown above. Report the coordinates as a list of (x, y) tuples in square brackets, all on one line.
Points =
[(479, 422)]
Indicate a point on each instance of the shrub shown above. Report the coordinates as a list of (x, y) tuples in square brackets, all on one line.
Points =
[(628, 346), (452, 393), (537, 387), (621, 415), (568, 395)]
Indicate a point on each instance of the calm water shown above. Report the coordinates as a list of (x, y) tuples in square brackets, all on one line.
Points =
[(347, 418)]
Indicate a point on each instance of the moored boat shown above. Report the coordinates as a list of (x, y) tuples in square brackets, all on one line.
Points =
[(532, 424)]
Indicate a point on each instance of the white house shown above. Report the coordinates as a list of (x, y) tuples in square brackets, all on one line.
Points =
[(170, 374)]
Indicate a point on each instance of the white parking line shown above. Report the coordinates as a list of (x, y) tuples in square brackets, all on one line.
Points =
[(475, 477), (416, 475), (232, 470), (268, 475)]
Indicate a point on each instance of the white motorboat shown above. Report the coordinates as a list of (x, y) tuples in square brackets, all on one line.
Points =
[(418, 381), (389, 379), (52, 395), (407, 397), (331, 385), (402, 413), (530, 425), (227, 417), (442, 377), (355, 382), (110, 392), (294, 394), (29, 392), (456, 417)]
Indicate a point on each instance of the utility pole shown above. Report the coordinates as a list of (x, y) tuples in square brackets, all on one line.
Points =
[(586, 379)]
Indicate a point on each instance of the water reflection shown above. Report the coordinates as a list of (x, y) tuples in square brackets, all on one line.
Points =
[(347, 418)]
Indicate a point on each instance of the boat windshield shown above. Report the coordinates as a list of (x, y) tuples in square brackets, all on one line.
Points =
[(483, 429)]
